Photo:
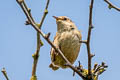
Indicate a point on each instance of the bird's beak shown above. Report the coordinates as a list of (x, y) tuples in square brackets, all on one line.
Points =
[(57, 18)]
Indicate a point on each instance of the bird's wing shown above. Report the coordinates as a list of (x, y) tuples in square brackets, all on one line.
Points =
[(56, 43), (78, 33)]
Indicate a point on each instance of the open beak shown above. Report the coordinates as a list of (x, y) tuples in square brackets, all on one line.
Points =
[(57, 18)]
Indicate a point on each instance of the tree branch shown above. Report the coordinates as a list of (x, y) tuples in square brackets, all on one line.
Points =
[(39, 42), (87, 42), (5, 73), (88, 38), (111, 5), (45, 13), (28, 9)]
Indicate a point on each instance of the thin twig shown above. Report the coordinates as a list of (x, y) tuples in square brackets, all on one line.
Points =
[(45, 13), (83, 41), (47, 39), (88, 38), (100, 68), (29, 10), (36, 56), (87, 42), (38, 40), (5, 73), (39, 44), (111, 5)]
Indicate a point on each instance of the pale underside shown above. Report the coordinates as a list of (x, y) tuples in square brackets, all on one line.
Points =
[(69, 43)]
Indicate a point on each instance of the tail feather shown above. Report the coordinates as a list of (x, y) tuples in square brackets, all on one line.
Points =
[(54, 67)]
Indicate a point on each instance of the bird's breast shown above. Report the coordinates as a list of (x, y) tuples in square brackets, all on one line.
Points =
[(69, 45)]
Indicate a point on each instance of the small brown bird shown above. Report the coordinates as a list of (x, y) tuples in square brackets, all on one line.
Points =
[(67, 39)]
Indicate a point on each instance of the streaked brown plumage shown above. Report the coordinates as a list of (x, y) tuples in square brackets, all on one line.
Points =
[(67, 39)]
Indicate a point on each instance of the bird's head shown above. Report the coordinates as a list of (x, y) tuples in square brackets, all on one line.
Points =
[(64, 23)]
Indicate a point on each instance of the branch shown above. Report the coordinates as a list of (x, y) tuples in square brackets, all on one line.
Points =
[(39, 42), (92, 74), (87, 42), (99, 69), (28, 9), (47, 39), (111, 5), (5, 73), (45, 13), (88, 38)]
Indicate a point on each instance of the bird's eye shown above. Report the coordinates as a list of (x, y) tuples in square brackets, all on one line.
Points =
[(65, 18)]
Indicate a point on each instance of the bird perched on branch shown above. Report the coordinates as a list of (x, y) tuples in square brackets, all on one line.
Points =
[(67, 39)]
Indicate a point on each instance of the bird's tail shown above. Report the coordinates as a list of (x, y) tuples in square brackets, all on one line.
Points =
[(54, 67)]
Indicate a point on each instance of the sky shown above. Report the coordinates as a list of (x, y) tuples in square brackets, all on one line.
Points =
[(18, 41)]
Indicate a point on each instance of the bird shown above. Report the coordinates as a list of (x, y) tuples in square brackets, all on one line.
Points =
[(67, 39)]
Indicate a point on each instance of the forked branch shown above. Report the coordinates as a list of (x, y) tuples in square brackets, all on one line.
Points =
[(31, 21), (111, 5)]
